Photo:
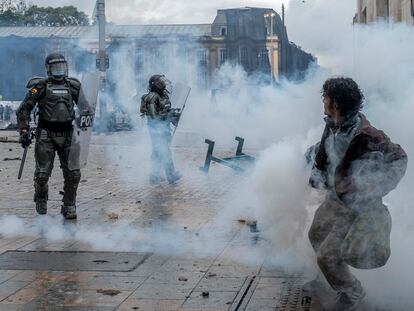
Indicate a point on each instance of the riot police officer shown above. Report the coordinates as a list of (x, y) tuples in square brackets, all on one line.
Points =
[(156, 106), (55, 97)]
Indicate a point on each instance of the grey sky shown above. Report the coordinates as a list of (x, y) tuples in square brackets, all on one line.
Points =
[(306, 20), (162, 11)]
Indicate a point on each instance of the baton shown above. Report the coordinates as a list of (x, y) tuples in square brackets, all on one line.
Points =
[(22, 163)]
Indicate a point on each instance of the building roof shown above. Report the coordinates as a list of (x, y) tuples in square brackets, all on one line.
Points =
[(78, 32)]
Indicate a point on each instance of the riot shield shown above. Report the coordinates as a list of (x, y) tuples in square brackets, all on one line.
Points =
[(85, 114), (179, 97)]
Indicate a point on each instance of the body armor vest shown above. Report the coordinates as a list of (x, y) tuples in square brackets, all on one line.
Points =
[(57, 104)]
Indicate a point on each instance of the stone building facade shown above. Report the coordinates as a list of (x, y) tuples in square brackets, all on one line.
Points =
[(370, 11), (238, 36)]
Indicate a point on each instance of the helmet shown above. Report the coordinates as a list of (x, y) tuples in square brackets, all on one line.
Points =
[(159, 83), (56, 66)]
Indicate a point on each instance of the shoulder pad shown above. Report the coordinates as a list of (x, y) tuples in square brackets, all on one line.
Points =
[(150, 96), (35, 82), (75, 83)]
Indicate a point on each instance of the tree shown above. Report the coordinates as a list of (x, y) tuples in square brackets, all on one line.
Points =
[(62, 16), (18, 13)]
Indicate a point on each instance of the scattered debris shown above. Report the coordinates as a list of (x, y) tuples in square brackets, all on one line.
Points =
[(239, 162), (108, 292), (253, 226), (12, 159), (251, 222), (113, 216), (182, 279), (205, 294)]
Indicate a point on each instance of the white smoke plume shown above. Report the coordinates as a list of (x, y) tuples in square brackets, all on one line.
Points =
[(283, 122)]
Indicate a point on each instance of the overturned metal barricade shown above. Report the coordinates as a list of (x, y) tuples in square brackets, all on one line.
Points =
[(239, 162)]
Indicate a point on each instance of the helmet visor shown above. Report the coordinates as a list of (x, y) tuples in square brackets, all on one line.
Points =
[(167, 83), (58, 70)]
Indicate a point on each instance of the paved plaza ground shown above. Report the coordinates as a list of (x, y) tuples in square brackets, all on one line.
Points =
[(135, 246)]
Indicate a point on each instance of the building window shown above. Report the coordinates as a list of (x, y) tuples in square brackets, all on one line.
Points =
[(202, 78), (412, 8), (139, 58), (223, 56), (364, 16), (223, 31), (383, 9), (158, 58), (202, 57), (244, 56)]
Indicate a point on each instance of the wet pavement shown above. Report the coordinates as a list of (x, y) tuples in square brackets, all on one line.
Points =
[(135, 246)]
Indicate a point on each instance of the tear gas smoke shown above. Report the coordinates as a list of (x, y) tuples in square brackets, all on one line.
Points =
[(284, 121)]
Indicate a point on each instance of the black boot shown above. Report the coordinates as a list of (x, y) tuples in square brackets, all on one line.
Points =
[(69, 211), (174, 177), (41, 206)]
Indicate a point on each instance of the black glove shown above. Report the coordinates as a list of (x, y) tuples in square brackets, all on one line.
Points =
[(25, 140)]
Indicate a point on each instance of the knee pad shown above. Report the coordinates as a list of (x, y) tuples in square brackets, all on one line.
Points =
[(41, 187), (41, 180)]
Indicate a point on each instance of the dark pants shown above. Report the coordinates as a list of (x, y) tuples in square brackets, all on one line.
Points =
[(48, 143), (330, 226), (161, 156)]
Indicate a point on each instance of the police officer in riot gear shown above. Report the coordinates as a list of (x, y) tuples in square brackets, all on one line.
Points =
[(55, 97), (156, 106)]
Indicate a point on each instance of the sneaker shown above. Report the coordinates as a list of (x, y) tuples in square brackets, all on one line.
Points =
[(41, 206), (349, 300), (69, 211)]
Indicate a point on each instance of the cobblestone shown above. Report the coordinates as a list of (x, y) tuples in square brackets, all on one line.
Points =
[(173, 226)]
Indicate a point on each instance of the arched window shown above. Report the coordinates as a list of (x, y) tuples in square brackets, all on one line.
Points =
[(383, 9)]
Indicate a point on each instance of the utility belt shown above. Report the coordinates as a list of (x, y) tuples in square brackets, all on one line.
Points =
[(44, 133)]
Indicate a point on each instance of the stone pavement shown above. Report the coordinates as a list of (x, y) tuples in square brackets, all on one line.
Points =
[(135, 246)]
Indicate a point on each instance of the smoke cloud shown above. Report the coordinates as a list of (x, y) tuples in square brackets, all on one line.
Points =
[(283, 121)]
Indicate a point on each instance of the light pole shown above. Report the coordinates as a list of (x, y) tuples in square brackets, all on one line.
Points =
[(272, 60), (102, 60)]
